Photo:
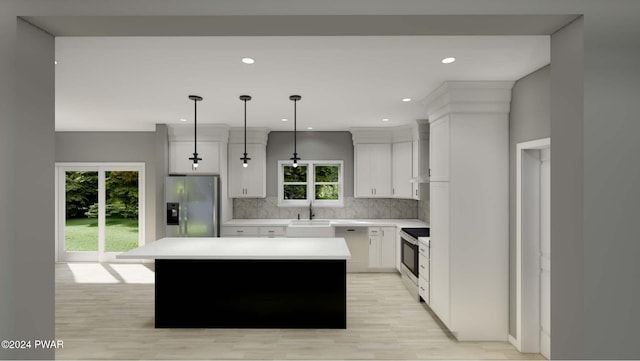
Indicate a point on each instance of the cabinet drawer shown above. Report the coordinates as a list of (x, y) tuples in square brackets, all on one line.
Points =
[(374, 231), (423, 289), (272, 231), (423, 267), (240, 231)]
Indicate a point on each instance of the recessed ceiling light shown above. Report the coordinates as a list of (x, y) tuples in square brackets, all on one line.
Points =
[(248, 60), (385, 119), (183, 120), (310, 128), (406, 100), (55, 62), (284, 120), (448, 60)]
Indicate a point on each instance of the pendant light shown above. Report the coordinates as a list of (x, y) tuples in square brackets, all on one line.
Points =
[(244, 159), (295, 158), (195, 158)]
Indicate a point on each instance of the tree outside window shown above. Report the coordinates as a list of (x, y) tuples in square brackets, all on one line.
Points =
[(319, 182)]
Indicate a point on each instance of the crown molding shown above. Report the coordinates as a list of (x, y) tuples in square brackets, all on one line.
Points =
[(206, 133), (254, 135), (469, 97)]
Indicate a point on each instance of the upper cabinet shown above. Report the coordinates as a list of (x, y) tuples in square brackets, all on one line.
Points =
[(372, 170), (211, 147), (402, 170), (250, 181), (390, 162)]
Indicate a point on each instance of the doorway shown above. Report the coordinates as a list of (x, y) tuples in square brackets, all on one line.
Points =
[(533, 246), (100, 211)]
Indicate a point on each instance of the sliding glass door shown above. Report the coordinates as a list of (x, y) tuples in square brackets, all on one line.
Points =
[(99, 210)]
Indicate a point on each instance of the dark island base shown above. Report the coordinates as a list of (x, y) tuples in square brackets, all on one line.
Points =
[(251, 294)]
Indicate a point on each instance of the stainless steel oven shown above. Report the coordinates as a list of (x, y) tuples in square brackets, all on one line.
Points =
[(409, 256)]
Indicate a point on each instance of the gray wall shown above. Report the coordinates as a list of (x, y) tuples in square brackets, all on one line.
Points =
[(34, 202), (529, 119), (116, 147), (568, 315), (311, 146), (8, 276), (594, 203), (162, 170)]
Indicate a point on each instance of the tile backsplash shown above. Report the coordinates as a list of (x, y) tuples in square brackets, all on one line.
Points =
[(361, 208)]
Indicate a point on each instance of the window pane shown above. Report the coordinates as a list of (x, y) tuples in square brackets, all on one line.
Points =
[(295, 191), (121, 228), (327, 191), (326, 173), (298, 174), (81, 218)]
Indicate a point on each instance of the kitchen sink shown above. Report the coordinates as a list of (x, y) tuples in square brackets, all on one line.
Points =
[(310, 228)]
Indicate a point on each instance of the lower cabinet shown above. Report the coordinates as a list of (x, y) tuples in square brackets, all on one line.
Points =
[(253, 231), (382, 247)]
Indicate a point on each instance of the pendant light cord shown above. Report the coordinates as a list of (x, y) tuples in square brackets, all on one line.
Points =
[(245, 128), (295, 152)]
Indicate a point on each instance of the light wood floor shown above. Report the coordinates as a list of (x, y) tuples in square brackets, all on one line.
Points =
[(105, 311)]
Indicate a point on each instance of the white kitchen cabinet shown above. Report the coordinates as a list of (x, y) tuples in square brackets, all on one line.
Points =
[(372, 170), (253, 231), (439, 261), (439, 143), (382, 247), (249, 182), (240, 231), (420, 165), (469, 208), (423, 272), (181, 151), (273, 231), (402, 170)]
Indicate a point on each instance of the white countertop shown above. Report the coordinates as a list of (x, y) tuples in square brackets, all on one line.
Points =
[(241, 248), (402, 223), (425, 240)]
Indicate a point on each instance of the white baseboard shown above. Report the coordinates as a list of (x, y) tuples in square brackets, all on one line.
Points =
[(515, 342)]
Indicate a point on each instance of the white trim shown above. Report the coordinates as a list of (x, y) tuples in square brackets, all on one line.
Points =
[(518, 341), (515, 342), (100, 167), (311, 185)]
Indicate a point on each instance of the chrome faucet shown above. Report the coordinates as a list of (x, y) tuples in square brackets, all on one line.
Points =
[(311, 215)]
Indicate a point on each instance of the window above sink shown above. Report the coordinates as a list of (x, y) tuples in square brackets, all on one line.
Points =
[(319, 182)]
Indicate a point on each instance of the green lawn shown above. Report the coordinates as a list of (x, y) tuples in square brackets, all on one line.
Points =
[(120, 234)]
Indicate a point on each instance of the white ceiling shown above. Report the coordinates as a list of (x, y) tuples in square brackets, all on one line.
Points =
[(133, 83)]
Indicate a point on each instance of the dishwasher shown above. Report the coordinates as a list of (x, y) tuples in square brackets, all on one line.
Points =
[(358, 242)]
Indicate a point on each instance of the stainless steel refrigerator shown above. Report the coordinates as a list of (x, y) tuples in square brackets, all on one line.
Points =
[(193, 206)]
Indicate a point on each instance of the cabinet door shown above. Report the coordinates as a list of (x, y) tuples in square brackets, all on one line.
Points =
[(439, 260), (363, 154), (236, 184), (372, 170), (388, 247), (375, 237), (402, 170), (415, 168), (254, 177), (249, 182), (439, 150), (180, 152), (381, 175)]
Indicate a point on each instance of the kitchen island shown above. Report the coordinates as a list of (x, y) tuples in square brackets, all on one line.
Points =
[(233, 282)]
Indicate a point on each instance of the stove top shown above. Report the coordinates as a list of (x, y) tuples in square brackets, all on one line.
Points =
[(417, 232)]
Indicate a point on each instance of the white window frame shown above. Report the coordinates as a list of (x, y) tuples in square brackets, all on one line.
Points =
[(101, 167), (311, 192)]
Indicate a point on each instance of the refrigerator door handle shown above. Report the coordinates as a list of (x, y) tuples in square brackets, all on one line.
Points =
[(186, 213), (182, 214)]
